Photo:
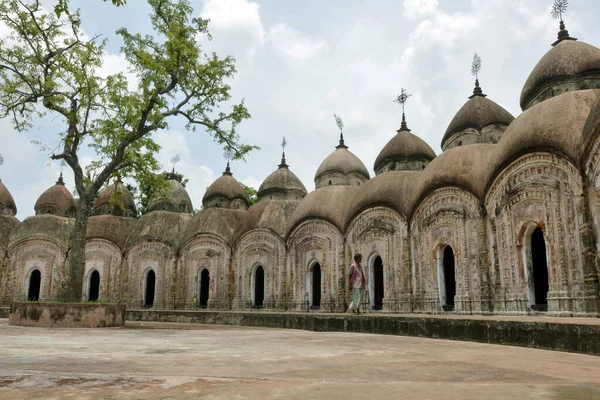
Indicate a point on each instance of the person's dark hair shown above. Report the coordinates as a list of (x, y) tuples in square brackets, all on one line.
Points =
[(357, 256)]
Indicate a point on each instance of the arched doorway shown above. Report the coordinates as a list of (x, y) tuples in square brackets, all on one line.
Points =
[(449, 279), (204, 286), (540, 270), (150, 288), (378, 285), (35, 282), (259, 287), (315, 286), (94, 286)]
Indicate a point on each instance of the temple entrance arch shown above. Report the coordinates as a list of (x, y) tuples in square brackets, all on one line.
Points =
[(258, 287), (149, 288), (537, 269), (35, 284), (315, 286), (94, 286), (447, 277), (376, 283), (203, 288)]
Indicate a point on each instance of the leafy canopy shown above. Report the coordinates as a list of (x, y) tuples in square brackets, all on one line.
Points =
[(48, 65)]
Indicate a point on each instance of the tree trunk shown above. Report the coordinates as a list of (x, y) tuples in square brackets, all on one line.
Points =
[(74, 283)]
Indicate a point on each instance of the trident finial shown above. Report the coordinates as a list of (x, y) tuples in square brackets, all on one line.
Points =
[(340, 125), (401, 99), (283, 162)]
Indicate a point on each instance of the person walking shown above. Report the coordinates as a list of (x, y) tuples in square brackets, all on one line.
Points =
[(358, 282)]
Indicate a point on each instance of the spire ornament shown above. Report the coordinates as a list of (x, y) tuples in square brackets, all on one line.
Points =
[(401, 99), (558, 9), (340, 125), (475, 69), (1, 160), (283, 162), (228, 155), (60, 180), (173, 175)]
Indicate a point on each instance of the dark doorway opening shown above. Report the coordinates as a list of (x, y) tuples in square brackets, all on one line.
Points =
[(378, 285), (449, 278), (204, 285), (94, 292), (316, 286), (35, 282), (259, 287), (540, 270), (150, 286)]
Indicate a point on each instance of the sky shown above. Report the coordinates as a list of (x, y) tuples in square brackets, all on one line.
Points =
[(299, 62)]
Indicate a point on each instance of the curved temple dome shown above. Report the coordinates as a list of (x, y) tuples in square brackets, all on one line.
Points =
[(282, 184), (57, 200), (115, 200), (569, 66), (174, 197), (479, 120), (7, 203), (404, 152), (341, 168), (226, 192)]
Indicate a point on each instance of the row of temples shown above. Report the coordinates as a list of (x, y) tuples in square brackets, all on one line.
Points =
[(505, 220)]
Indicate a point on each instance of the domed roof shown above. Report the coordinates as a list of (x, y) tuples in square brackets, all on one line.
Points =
[(557, 124), (116, 199), (283, 182), (220, 222), (477, 113), (463, 166), (44, 226), (57, 200), (267, 214), (164, 226), (8, 224), (394, 189), (173, 198), (343, 161), (6, 200), (226, 186), (329, 203), (404, 146), (110, 227), (567, 59)]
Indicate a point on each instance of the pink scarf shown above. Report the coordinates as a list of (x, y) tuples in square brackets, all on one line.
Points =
[(354, 274)]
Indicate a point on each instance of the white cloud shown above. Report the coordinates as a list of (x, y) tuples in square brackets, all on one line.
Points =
[(419, 8), (294, 45)]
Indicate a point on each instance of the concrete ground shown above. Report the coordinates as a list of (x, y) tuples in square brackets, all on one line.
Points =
[(164, 361)]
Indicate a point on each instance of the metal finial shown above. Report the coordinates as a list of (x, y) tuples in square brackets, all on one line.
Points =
[(401, 99), (60, 180), (475, 69), (340, 125), (476, 66), (228, 155), (558, 9), (1, 160), (283, 162)]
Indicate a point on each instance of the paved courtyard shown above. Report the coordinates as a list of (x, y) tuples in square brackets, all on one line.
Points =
[(160, 361)]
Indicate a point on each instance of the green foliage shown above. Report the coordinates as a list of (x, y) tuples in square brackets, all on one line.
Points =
[(63, 6), (251, 192), (147, 191), (48, 66)]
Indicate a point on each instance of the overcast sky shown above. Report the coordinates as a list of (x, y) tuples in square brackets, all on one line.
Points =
[(301, 61)]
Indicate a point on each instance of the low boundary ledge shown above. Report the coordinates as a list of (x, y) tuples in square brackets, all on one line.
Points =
[(562, 334)]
